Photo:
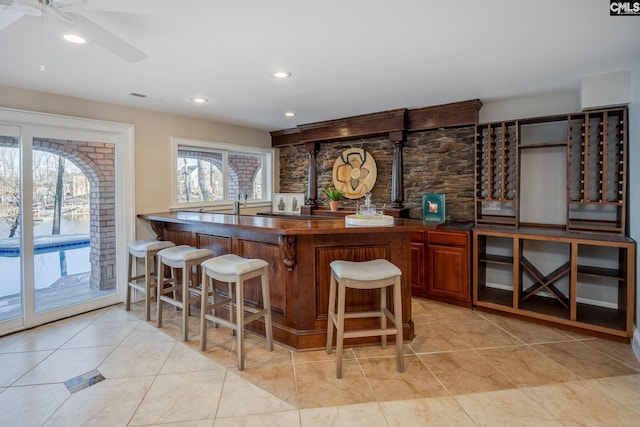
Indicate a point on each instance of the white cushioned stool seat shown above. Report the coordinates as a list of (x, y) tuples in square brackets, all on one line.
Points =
[(232, 269), (183, 257), (184, 253), (376, 274), (367, 270), (147, 249), (233, 264), (140, 247)]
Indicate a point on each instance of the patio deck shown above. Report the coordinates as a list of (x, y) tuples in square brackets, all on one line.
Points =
[(65, 291)]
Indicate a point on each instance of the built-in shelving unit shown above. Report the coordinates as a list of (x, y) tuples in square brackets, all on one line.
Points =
[(509, 277), (595, 146), (550, 240)]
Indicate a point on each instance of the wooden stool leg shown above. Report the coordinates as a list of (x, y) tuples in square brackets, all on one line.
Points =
[(159, 289), (212, 285), (127, 300), (232, 313), (204, 303), (340, 328), (397, 317), (185, 304), (331, 313), (383, 315), (148, 273), (240, 321), (266, 304)]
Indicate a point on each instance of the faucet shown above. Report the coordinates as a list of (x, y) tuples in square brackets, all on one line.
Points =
[(236, 204)]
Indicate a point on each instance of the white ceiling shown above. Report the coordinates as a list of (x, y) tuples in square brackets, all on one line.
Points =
[(347, 57)]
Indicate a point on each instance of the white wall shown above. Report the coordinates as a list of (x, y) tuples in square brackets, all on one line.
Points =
[(532, 106), (153, 132)]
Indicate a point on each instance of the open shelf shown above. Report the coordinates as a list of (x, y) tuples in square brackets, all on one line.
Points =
[(585, 281), (496, 296), (545, 306), (601, 316), (610, 273)]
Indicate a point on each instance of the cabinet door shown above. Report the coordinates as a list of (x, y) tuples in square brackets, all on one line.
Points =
[(418, 270), (449, 273)]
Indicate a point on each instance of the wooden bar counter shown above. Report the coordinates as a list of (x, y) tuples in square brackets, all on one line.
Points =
[(299, 251)]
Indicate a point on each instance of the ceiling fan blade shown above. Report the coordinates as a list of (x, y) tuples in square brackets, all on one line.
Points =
[(8, 17), (100, 35)]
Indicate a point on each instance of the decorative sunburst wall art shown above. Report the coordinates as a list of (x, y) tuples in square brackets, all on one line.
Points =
[(354, 173)]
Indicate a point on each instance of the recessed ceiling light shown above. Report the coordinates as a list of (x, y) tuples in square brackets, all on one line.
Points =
[(290, 114), (199, 100), (281, 74), (74, 38)]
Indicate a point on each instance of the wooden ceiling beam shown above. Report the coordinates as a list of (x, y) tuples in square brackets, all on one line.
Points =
[(393, 122)]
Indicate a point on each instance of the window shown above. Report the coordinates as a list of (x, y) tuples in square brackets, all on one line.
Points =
[(208, 173)]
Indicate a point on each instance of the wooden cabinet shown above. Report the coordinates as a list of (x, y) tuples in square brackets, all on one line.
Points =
[(449, 278), (440, 266), (418, 264), (583, 281)]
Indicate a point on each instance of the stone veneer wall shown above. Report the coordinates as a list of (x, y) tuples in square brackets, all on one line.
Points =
[(435, 161)]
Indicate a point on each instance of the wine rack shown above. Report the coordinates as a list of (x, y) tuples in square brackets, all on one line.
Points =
[(597, 171), (596, 147), (496, 184)]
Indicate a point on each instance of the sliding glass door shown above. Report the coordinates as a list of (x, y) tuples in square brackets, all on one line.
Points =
[(11, 293), (60, 231)]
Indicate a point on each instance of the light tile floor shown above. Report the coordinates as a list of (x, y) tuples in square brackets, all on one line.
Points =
[(463, 368)]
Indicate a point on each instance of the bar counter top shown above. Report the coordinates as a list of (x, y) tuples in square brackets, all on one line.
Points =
[(282, 225)]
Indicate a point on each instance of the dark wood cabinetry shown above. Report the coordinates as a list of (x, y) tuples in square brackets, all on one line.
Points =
[(418, 264), (550, 241), (440, 266)]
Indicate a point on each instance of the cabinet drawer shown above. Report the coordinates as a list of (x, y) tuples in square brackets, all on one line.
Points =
[(418, 236), (450, 238)]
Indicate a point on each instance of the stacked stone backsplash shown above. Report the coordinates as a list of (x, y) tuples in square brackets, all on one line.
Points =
[(436, 161)]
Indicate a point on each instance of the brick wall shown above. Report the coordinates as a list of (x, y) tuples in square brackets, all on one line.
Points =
[(97, 162)]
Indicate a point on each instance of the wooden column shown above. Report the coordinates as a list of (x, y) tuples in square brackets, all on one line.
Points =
[(397, 172), (312, 175)]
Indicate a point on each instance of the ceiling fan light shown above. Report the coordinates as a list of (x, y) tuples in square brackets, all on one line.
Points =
[(74, 38)]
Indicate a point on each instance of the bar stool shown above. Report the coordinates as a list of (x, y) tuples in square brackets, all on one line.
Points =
[(376, 274), (182, 257), (147, 249), (234, 269)]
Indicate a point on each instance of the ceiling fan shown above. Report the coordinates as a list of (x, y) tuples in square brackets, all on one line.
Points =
[(70, 13)]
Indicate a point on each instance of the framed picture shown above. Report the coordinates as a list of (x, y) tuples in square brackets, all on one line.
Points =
[(433, 207), (294, 203), (279, 203)]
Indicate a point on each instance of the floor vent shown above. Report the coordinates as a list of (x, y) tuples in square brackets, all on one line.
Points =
[(83, 381)]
